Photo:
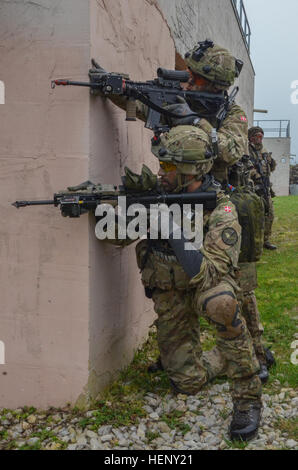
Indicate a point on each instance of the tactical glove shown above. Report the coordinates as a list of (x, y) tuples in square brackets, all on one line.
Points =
[(95, 74)]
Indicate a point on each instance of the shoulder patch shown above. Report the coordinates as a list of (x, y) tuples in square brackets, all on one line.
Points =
[(243, 118), (229, 236)]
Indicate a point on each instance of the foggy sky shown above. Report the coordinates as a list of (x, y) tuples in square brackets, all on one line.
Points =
[(274, 53)]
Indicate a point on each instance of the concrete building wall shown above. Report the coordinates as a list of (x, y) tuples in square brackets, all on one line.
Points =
[(72, 309), (191, 21), (129, 36), (281, 150), (44, 146)]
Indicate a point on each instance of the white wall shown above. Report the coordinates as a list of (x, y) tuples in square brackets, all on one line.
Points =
[(281, 149)]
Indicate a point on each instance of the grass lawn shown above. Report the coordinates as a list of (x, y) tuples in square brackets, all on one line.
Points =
[(278, 291)]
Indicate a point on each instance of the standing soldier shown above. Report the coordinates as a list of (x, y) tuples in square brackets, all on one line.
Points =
[(263, 164), (243, 190), (212, 69)]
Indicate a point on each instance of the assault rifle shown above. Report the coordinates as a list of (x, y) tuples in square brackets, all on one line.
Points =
[(155, 94), (265, 189), (75, 203)]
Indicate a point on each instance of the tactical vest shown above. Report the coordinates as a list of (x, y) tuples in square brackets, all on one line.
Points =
[(250, 209), (159, 265)]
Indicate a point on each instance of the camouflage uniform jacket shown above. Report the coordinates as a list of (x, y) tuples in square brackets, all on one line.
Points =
[(232, 135), (267, 165), (232, 141), (221, 248)]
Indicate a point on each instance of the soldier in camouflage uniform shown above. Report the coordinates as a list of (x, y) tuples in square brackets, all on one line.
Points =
[(239, 177), (216, 70), (263, 164), (212, 69), (186, 284)]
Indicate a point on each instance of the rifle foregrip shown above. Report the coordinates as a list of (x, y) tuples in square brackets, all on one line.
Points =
[(131, 110)]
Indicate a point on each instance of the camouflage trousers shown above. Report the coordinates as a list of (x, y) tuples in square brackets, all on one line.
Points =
[(252, 317), (248, 282), (178, 335), (269, 218)]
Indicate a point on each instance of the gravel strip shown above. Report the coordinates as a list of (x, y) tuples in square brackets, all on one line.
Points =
[(202, 423)]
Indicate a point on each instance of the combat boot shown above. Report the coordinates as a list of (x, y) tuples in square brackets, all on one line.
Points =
[(246, 420), (263, 373), (265, 364), (270, 360), (269, 246)]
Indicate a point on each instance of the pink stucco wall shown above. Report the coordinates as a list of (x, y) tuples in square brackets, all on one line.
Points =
[(72, 310)]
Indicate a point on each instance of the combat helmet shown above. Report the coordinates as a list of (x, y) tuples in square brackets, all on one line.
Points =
[(255, 130), (189, 148), (214, 63)]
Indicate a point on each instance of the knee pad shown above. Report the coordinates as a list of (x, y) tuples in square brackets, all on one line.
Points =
[(223, 311)]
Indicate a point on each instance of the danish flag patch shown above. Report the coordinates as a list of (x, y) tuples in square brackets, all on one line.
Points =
[(243, 118), (228, 209)]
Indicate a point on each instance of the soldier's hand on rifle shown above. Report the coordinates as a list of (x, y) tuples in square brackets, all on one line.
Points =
[(188, 117), (95, 74), (96, 71)]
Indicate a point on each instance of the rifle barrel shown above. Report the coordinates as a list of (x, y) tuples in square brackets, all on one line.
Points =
[(69, 82), (18, 204)]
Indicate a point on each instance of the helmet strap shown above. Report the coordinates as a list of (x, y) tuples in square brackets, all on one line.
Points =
[(183, 184)]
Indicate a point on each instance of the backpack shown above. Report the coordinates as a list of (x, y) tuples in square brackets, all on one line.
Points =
[(250, 209)]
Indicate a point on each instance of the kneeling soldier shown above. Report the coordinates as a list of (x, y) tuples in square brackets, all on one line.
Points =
[(185, 284)]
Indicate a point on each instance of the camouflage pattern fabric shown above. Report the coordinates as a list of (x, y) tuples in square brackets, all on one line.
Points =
[(252, 131), (185, 144), (232, 140), (248, 273), (146, 181), (268, 165), (216, 65), (221, 245), (232, 135), (250, 311), (269, 219), (179, 302), (239, 174), (181, 354)]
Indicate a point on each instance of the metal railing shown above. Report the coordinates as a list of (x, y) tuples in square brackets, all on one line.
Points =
[(243, 21), (278, 127)]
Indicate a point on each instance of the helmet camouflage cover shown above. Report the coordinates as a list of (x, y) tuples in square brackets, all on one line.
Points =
[(255, 130), (214, 63), (188, 147)]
